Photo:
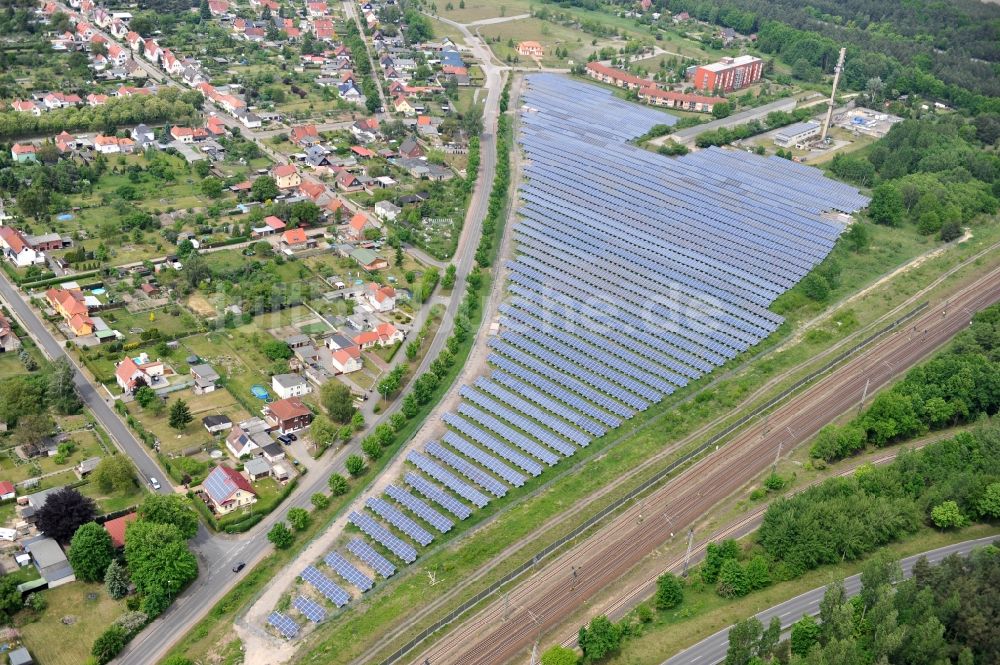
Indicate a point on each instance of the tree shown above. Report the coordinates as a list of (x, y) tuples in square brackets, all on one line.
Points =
[(371, 447), (180, 415), (264, 188), (989, 504), (159, 562), (448, 281), (203, 10), (33, 428), (62, 393), (90, 552), (886, 206), (65, 511), (715, 554), (211, 187), (298, 518), (758, 573), (109, 644), (338, 401), (116, 580), (669, 593), (115, 473), (816, 287), (599, 638), (722, 110), (559, 655), (280, 536), (733, 581), (276, 350), (355, 465), (948, 515), (145, 396), (744, 637), (10, 597), (170, 509), (177, 660), (322, 431), (338, 484), (319, 500), (805, 633)]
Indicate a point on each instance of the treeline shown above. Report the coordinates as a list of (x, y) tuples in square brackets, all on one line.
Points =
[(362, 66), (168, 104), (946, 484), (774, 120), (945, 50), (957, 386), (944, 613)]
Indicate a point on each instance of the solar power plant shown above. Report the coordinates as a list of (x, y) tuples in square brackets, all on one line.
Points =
[(437, 495), (391, 514), (310, 609), (283, 624), (326, 586), (373, 559), (380, 534), (539, 398), (419, 508), (467, 469), (448, 479), (518, 420), (350, 574), (493, 444), (505, 472), (529, 409), (508, 434)]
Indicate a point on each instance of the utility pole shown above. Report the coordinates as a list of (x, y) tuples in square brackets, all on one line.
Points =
[(864, 395), (777, 455), (506, 606), (833, 94), (687, 555)]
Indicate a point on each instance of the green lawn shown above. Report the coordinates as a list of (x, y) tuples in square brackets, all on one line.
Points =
[(550, 35), (219, 402), (76, 614)]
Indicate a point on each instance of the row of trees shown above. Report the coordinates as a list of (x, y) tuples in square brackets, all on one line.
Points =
[(944, 613), (957, 386), (774, 120)]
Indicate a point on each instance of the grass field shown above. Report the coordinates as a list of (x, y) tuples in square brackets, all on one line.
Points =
[(219, 402), (503, 38), (90, 610)]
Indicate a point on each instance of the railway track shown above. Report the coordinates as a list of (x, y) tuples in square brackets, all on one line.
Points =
[(508, 625)]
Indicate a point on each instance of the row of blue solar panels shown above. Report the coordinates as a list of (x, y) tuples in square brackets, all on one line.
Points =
[(330, 590), (382, 535), (347, 571), (502, 470), (395, 517), (467, 469), (524, 406), (508, 434), (437, 495), (372, 559), (448, 479), (555, 406), (310, 609), (283, 624), (518, 420), (493, 444), (419, 508)]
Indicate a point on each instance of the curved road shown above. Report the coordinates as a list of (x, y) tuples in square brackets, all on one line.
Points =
[(544, 599), (713, 649)]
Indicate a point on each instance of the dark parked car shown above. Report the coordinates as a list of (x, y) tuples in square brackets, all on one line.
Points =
[(240, 566), (292, 437)]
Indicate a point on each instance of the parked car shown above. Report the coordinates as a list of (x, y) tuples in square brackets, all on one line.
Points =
[(240, 566), (154, 483), (292, 436), (284, 439)]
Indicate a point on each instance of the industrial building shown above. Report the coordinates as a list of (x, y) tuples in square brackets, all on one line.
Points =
[(728, 74), (797, 134)]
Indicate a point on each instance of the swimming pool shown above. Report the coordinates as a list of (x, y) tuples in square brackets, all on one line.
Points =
[(259, 391), (99, 291), (64, 217)]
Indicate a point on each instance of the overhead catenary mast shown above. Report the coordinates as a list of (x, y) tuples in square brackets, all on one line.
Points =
[(833, 94)]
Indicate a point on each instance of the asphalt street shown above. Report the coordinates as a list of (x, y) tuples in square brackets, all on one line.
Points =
[(713, 649)]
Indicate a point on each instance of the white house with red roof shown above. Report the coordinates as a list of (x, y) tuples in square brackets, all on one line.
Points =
[(133, 373), (106, 145), (218, 7), (346, 360), (381, 298), (26, 106), (356, 227), (17, 249), (93, 99), (286, 176), (151, 50), (117, 55), (227, 490), (134, 40), (23, 152), (317, 8)]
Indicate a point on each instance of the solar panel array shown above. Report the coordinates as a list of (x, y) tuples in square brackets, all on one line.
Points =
[(634, 274), (285, 625), (382, 535), (330, 590), (347, 571), (373, 559), (310, 609), (419, 508)]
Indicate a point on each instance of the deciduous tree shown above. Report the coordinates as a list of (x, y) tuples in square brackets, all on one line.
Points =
[(90, 552)]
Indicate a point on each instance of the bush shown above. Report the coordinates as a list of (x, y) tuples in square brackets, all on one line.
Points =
[(338, 484), (280, 536), (669, 593), (355, 465), (109, 644)]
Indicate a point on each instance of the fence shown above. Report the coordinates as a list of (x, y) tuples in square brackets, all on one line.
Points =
[(648, 484)]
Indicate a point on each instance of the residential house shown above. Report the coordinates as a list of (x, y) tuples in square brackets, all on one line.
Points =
[(22, 106), (133, 373), (8, 340), (530, 49), (117, 55), (273, 452), (679, 100), (188, 134), (381, 298), (71, 305), (205, 378), (216, 424), (23, 152), (368, 259), (257, 468), (143, 135), (151, 50), (286, 176), (388, 334), (304, 135), (410, 149), (228, 490), (348, 182), (346, 360), (106, 145), (296, 240), (387, 211), (17, 249), (290, 385), (116, 529), (248, 437), (617, 77), (402, 105), (7, 490), (357, 226), (288, 415)]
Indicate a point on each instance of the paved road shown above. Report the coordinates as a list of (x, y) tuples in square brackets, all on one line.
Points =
[(713, 649), (689, 134)]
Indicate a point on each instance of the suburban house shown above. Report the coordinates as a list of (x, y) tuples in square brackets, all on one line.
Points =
[(116, 529), (7, 490), (23, 152), (286, 176), (72, 306), (205, 378), (304, 135), (17, 249), (247, 437), (257, 468), (356, 227), (271, 226), (617, 77), (410, 149), (369, 260), (8, 340), (387, 210), (346, 360), (294, 240), (290, 385), (348, 182), (381, 298), (402, 105), (679, 100), (133, 373), (388, 334), (228, 490), (216, 424), (288, 415), (530, 49)]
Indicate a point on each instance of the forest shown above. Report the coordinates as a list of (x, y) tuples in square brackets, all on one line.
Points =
[(944, 613), (959, 385), (936, 48)]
